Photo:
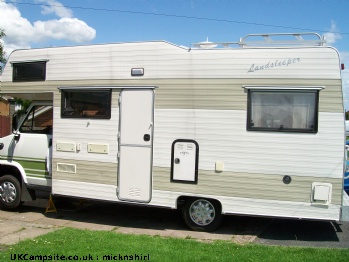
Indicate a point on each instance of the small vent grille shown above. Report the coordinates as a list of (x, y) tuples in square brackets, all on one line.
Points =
[(66, 168), (135, 192)]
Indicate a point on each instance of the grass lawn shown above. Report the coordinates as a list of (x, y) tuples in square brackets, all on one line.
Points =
[(82, 245)]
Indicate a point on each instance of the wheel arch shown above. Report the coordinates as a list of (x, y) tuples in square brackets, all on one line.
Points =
[(181, 200), (15, 169)]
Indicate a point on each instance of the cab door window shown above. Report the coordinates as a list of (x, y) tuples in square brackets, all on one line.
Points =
[(39, 120)]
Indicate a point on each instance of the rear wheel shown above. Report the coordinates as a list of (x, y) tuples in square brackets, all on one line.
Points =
[(10, 192), (202, 214)]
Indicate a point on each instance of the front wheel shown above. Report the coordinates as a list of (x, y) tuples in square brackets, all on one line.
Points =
[(10, 192), (202, 214)]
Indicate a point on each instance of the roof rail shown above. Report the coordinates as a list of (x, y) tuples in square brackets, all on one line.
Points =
[(277, 39), (209, 45), (312, 39)]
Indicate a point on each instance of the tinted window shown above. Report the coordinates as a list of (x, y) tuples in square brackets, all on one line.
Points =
[(31, 71), (289, 111), (86, 104)]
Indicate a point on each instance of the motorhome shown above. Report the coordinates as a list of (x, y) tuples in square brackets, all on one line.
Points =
[(254, 127)]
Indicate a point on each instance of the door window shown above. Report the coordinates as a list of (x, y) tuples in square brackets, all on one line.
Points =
[(39, 120)]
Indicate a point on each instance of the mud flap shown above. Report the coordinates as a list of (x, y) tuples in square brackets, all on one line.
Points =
[(27, 194)]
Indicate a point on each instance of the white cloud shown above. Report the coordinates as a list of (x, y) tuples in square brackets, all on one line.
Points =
[(332, 36), (56, 8), (71, 29), (21, 33)]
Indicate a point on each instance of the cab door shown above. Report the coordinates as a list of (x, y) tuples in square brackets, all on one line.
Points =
[(31, 144)]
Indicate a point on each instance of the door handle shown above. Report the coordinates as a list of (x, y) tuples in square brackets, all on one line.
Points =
[(146, 137)]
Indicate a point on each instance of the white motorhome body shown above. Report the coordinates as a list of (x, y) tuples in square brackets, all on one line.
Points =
[(249, 130)]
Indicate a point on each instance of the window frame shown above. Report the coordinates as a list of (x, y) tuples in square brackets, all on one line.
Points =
[(63, 100), (280, 90), (17, 78)]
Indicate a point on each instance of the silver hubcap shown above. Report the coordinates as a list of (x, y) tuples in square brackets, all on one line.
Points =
[(202, 212), (7, 192)]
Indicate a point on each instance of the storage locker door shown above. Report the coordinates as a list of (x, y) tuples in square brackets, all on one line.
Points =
[(185, 154)]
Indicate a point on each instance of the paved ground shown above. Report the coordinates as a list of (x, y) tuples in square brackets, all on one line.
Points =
[(31, 221)]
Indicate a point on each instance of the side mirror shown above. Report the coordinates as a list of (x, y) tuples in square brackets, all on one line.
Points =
[(14, 122)]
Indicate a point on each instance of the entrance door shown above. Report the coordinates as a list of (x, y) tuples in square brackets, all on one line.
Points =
[(135, 145)]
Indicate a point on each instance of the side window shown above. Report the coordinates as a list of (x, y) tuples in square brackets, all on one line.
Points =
[(283, 110), (29, 71), (39, 120), (86, 104)]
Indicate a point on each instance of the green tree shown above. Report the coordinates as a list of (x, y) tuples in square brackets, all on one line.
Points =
[(2, 52), (24, 103)]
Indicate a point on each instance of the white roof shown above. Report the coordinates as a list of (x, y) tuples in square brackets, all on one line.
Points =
[(164, 60)]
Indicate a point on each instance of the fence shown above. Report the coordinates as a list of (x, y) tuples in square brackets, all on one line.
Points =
[(5, 126)]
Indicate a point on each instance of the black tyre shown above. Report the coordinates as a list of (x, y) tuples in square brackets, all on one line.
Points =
[(10, 192), (202, 214)]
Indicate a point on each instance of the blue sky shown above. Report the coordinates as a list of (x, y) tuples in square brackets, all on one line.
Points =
[(45, 23), (185, 22)]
